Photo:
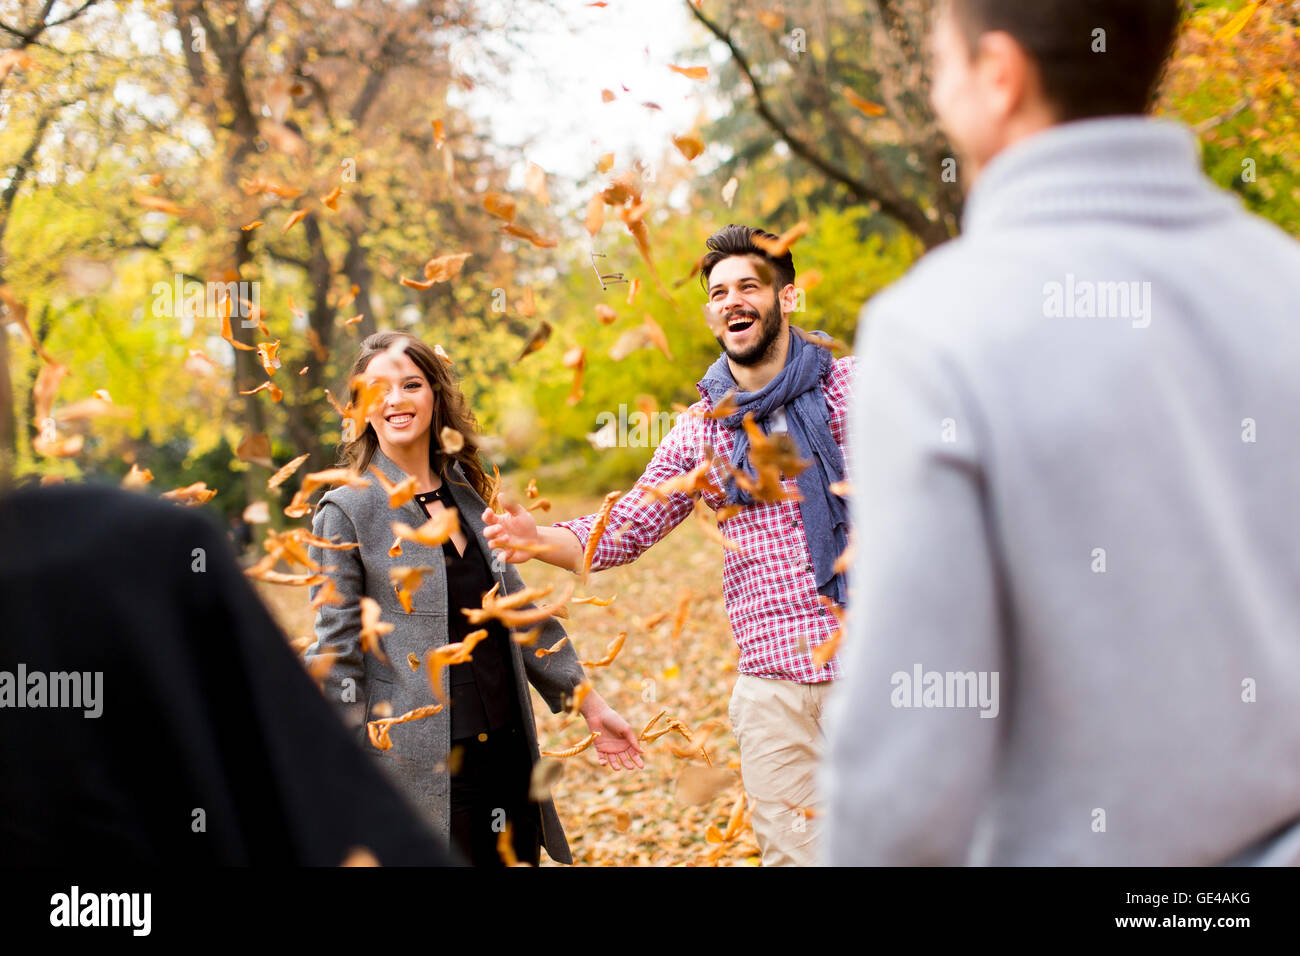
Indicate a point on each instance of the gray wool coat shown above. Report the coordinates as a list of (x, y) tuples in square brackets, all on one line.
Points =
[(417, 762)]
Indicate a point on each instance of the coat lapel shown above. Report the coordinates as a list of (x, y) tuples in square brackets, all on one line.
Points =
[(411, 509)]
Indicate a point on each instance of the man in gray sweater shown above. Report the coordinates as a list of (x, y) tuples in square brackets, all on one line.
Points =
[(1075, 625)]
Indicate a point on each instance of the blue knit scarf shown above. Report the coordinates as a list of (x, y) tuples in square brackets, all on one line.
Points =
[(799, 388)]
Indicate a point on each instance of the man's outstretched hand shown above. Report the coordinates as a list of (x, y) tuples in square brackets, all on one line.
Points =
[(505, 531)]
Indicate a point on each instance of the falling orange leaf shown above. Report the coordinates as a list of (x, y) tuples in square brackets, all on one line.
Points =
[(499, 205), (227, 332), (655, 334), (864, 106), (406, 581), (433, 532), (692, 72), (252, 225), (331, 199), (450, 440), (595, 215), (255, 448), (295, 217), (690, 145), (372, 628), (575, 359), (398, 493), (137, 477), (378, 729), (523, 232), (781, 245), (276, 394), (442, 268), (1237, 23), (574, 750), (554, 648), (611, 652), (598, 531), (276, 480), (159, 204), (266, 354), (195, 494), (527, 307), (539, 337), (257, 186)]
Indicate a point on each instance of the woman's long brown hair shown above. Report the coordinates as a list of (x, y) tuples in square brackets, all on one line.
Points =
[(449, 411)]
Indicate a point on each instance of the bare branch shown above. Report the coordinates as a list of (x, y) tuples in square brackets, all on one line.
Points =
[(891, 204)]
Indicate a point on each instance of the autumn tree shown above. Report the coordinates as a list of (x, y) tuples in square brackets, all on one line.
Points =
[(843, 88)]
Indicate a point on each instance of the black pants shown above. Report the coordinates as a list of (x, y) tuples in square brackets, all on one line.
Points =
[(489, 790)]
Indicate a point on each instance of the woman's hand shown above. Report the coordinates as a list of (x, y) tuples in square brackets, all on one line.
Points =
[(616, 746), (516, 526)]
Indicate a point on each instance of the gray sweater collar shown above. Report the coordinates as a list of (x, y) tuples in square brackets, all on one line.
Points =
[(1128, 168)]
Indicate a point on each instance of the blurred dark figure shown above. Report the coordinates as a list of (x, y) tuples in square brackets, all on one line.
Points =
[(150, 710), (1075, 626), (241, 535)]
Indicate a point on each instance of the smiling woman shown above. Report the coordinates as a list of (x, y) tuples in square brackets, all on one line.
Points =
[(444, 706)]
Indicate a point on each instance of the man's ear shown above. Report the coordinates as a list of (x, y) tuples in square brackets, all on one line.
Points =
[(1008, 74), (789, 299)]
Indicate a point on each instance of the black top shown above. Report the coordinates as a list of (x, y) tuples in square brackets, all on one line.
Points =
[(483, 694), (200, 704)]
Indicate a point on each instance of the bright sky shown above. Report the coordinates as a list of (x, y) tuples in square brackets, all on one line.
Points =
[(552, 95)]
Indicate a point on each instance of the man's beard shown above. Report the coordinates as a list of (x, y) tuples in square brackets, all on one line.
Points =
[(769, 329)]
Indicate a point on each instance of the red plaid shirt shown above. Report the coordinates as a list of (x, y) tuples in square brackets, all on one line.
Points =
[(768, 584)]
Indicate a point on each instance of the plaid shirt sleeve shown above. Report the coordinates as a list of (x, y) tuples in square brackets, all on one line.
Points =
[(636, 524)]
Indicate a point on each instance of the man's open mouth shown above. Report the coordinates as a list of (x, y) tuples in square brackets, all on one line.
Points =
[(738, 323)]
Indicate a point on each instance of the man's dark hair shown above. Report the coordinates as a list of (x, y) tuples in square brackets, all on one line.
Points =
[(1060, 36), (737, 240)]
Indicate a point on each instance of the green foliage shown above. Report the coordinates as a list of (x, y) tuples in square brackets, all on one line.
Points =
[(1241, 92), (854, 264)]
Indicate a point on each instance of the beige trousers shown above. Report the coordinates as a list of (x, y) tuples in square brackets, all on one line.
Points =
[(778, 726)]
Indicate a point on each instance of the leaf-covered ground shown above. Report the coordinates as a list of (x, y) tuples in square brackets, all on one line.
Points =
[(637, 818)]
